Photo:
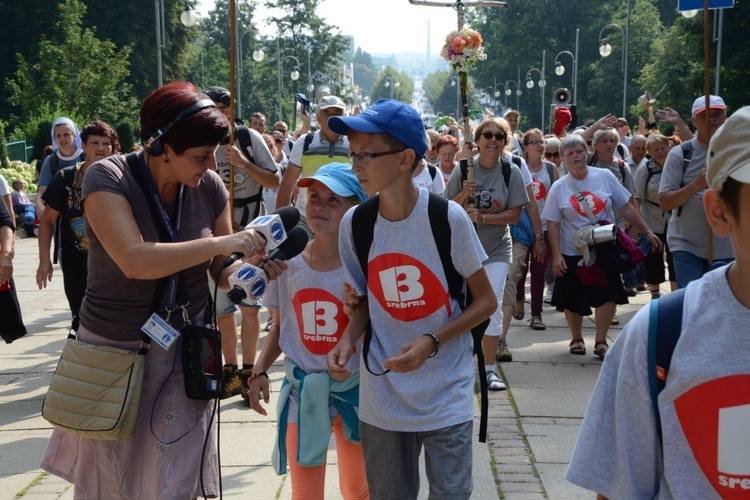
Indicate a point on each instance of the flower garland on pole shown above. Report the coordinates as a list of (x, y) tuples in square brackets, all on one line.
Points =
[(462, 49)]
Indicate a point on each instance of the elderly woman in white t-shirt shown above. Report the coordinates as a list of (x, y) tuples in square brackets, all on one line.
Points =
[(565, 217)]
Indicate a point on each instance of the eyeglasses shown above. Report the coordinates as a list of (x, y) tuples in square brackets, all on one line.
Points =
[(283, 131), (535, 143), (363, 157), (556, 154), (279, 141), (498, 136)]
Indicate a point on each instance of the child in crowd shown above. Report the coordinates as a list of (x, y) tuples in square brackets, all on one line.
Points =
[(309, 318), (418, 389)]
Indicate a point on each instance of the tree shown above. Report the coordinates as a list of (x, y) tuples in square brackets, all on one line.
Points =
[(364, 70), (440, 89), (302, 34), (403, 86), (67, 76)]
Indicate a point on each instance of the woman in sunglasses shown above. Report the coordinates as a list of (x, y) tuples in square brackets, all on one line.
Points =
[(498, 195), (552, 153)]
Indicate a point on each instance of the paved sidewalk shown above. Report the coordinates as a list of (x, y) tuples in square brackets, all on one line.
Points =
[(532, 426)]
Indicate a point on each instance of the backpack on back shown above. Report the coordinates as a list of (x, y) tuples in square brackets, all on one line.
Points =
[(664, 330), (243, 137), (363, 227)]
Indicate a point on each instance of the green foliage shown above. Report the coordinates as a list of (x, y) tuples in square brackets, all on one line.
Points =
[(403, 86), (664, 48), (19, 170), (73, 74), (126, 136), (443, 96), (4, 163)]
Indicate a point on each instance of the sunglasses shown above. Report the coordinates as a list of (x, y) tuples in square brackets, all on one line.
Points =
[(279, 141), (556, 154), (489, 135)]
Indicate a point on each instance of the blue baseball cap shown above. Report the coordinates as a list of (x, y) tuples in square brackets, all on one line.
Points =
[(386, 116), (339, 178)]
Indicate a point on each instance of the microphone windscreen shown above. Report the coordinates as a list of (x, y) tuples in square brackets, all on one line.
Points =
[(289, 216)]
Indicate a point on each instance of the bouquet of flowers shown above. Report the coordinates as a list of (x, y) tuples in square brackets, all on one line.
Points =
[(463, 48)]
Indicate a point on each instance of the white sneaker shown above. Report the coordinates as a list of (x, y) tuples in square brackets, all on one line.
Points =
[(494, 383), (548, 297)]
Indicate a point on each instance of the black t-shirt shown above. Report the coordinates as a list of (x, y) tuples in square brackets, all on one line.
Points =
[(64, 195)]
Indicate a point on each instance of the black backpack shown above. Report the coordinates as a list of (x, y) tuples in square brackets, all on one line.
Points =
[(363, 227), (242, 135)]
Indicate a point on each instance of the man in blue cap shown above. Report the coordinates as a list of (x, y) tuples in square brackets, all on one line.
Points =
[(420, 340)]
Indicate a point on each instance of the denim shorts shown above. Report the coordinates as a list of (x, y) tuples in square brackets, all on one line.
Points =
[(392, 462)]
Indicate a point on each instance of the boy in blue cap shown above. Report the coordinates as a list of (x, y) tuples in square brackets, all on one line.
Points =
[(420, 340)]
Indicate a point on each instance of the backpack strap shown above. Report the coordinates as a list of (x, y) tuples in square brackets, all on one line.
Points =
[(54, 164), (664, 329), (363, 228), (505, 165), (244, 138), (308, 141), (550, 171), (621, 164), (432, 170), (687, 155), (621, 150)]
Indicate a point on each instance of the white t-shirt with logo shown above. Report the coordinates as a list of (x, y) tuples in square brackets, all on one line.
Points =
[(312, 320), (602, 191), (704, 407), (408, 297), (425, 180), (541, 184)]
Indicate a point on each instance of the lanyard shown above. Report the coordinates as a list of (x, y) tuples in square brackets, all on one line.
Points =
[(173, 231)]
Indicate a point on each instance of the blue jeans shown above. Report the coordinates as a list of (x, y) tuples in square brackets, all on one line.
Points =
[(689, 267), (392, 462)]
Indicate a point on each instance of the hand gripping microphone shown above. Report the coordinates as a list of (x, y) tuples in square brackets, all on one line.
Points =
[(273, 227), (250, 281)]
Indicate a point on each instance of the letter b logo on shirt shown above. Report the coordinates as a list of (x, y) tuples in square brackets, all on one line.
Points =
[(320, 318), (401, 283)]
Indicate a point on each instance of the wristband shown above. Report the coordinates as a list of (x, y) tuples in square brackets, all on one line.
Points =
[(649, 231), (437, 343), (539, 237), (483, 219), (256, 375)]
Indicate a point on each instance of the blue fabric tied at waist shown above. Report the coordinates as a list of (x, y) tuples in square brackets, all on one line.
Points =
[(314, 420)]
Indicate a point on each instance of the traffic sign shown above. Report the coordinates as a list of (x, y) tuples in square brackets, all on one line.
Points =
[(683, 5)]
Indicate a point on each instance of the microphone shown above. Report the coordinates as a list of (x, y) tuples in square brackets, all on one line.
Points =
[(250, 281), (273, 227)]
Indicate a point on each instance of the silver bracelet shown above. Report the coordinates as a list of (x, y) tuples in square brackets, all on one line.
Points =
[(437, 343)]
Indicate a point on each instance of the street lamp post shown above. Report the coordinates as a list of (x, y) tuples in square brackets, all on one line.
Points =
[(498, 93), (294, 75), (390, 83), (508, 92), (258, 56), (560, 69), (605, 49), (542, 83), (160, 37)]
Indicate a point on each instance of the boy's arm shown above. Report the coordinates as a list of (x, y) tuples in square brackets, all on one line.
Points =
[(340, 354), (416, 352)]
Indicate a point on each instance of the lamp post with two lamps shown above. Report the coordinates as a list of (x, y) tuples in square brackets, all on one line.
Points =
[(560, 69), (390, 83), (294, 75), (542, 81), (508, 92)]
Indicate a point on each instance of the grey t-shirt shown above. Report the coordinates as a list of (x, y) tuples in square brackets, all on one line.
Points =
[(689, 231), (492, 197), (648, 195), (704, 407), (116, 306), (408, 297)]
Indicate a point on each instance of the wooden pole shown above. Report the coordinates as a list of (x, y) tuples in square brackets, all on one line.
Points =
[(707, 91), (232, 61), (463, 81)]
